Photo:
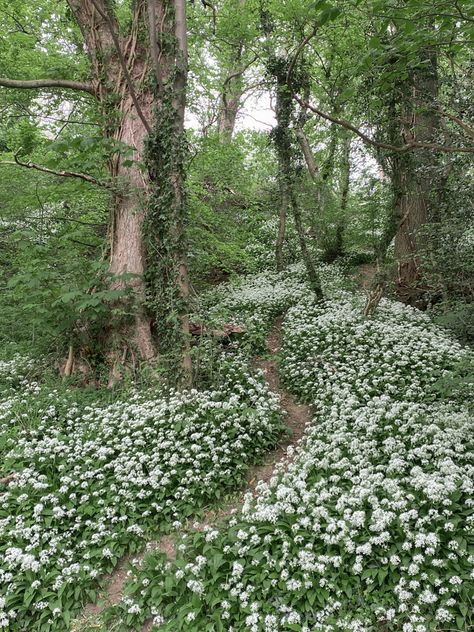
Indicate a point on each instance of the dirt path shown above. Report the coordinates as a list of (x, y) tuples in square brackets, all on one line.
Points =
[(296, 418), (297, 415)]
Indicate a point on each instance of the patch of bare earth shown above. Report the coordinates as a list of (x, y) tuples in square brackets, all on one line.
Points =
[(297, 416)]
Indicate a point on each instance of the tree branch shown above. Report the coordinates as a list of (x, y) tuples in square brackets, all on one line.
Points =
[(299, 50), (370, 141), (36, 84), (465, 126), (64, 174)]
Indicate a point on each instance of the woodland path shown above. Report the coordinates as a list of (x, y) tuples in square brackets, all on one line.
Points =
[(297, 416)]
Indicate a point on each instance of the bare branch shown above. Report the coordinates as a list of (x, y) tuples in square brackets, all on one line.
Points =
[(234, 75), (465, 126), (239, 72), (64, 174), (299, 50), (370, 141), (36, 84)]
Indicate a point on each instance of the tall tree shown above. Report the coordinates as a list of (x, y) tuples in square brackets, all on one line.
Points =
[(121, 79)]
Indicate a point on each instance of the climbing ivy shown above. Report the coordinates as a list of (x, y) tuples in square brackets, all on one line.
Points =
[(166, 216), (278, 69)]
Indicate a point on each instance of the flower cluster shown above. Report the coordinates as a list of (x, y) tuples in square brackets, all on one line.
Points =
[(89, 482), (255, 301), (371, 524)]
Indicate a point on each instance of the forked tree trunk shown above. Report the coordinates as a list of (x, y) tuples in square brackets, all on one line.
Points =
[(232, 88)]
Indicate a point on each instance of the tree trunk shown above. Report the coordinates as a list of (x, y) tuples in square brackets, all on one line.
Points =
[(280, 242), (232, 88), (307, 152), (414, 177), (118, 68), (341, 220), (132, 106), (165, 219), (284, 145), (313, 276), (231, 98), (127, 252), (412, 110)]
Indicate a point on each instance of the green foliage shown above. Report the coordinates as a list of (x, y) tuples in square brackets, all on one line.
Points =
[(51, 229), (96, 472), (353, 528)]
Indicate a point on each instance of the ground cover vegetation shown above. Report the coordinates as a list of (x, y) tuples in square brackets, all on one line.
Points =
[(371, 522), (179, 181)]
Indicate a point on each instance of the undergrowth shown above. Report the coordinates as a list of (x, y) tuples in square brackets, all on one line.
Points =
[(371, 525)]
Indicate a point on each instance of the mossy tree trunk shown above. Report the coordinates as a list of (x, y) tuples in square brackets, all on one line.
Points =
[(166, 210), (413, 176)]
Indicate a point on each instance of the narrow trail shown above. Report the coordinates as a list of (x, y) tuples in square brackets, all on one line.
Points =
[(297, 416)]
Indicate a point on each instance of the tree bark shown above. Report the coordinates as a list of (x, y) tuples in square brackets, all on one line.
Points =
[(284, 145), (344, 199), (307, 152), (280, 242), (132, 106), (412, 109), (413, 179), (126, 106), (37, 84), (229, 109), (232, 88), (165, 162)]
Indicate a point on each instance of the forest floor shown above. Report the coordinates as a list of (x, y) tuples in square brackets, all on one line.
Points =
[(296, 417), (360, 516)]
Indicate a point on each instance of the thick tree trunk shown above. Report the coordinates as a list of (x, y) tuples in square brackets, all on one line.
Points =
[(165, 162), (127, 252), (411, 109), (414, 177), (118, 68), (132, 105)]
